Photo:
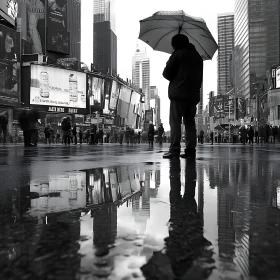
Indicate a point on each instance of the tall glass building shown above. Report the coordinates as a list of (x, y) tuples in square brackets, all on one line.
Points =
[(104, 36), (141, 73), (256, 46), (226, 46)]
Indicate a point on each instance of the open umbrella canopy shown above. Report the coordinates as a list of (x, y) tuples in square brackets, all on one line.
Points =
[(158, 30)]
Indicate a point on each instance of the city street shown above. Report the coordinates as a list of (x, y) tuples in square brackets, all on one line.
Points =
[(124, 212)]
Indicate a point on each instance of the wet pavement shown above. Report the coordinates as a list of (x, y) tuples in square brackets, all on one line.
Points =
[(123, 212)]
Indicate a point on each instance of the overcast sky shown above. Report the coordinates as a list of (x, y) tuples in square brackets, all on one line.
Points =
[(128, 14)]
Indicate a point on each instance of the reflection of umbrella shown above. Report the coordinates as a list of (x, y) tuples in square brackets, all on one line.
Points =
[(158, 30)]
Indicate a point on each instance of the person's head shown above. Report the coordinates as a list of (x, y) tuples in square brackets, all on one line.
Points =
[(179, 41), (150, 122)]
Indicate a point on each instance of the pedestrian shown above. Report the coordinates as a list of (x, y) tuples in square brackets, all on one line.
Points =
[(256, 136), (139, 137), (219, 138), (47, 132), (251, 135), (121, 135), (160, 133), (270, 134), (93, 134), (101, 134), (212, 137), (243, 134), (261, 134), (66, 128), (81, 136), (127, 135), (184, 70), (274, 133), (201, 136), (57, 137), (4, 125), (74, 132), (151, 134)]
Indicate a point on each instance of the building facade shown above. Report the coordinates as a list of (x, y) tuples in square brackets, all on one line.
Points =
[(74, 27), (141, 73), (226, 46), (104, 36), (155, 104), (256, 44)]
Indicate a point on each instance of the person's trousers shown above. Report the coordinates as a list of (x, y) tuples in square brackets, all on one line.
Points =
[(179, 110)]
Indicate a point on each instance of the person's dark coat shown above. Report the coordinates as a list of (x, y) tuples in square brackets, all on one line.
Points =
[(184, 70), (151, 130)]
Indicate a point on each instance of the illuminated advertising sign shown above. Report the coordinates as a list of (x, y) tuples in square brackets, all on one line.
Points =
[(9, 67), (54, 87)]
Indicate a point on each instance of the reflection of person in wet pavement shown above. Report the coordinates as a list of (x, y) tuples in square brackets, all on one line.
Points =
[(185, 243)]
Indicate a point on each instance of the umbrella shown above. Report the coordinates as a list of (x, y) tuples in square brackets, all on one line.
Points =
[(158, 30)]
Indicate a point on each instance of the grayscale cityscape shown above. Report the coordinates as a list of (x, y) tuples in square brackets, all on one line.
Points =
[(139, 140)]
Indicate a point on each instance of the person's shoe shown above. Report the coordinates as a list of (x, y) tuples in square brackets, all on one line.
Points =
[(171, 155), (189, 154)]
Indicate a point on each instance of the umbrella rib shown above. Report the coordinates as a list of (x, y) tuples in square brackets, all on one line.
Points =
[(153, 30), (163, 37), (198, 44)]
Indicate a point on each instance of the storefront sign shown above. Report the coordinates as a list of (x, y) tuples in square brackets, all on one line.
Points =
[(273, 98), (58, 89), (9, 10)]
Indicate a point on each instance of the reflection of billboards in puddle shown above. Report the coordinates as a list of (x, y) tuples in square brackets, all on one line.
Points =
[(60, 193), (111, 185)]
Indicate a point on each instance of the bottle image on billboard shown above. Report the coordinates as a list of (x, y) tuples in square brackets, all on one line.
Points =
[(73, 88), (44, 85)]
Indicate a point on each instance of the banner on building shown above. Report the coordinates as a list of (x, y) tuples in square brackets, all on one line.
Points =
[(31, 15), (54, 87), (9, 10), (115, 92), (148, 116), (240, 108), (9, 67)]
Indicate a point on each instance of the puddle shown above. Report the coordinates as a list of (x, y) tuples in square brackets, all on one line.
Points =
[(179, 219)]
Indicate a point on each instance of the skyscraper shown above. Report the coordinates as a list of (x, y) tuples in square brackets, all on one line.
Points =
[(104, 36), (226, 46), (256, 43), (74, 26), (141, 73), (155, 100)]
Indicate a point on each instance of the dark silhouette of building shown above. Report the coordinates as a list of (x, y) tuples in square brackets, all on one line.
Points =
[(104, 37)]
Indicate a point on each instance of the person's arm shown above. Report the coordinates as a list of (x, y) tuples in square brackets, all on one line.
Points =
[(172, 66)]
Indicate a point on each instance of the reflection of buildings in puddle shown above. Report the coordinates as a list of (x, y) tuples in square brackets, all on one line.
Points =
[(59, 193), (107, 185), (141, 205), (104, 226)]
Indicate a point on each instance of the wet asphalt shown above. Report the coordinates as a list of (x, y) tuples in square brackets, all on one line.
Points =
[(124, 212)]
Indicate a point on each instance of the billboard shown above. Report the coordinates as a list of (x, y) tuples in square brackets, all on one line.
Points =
[(59, 88), (96, 92), (31, 21), (115, 92), (9, 67), (57, 15), (58, 41), (9, 10)]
